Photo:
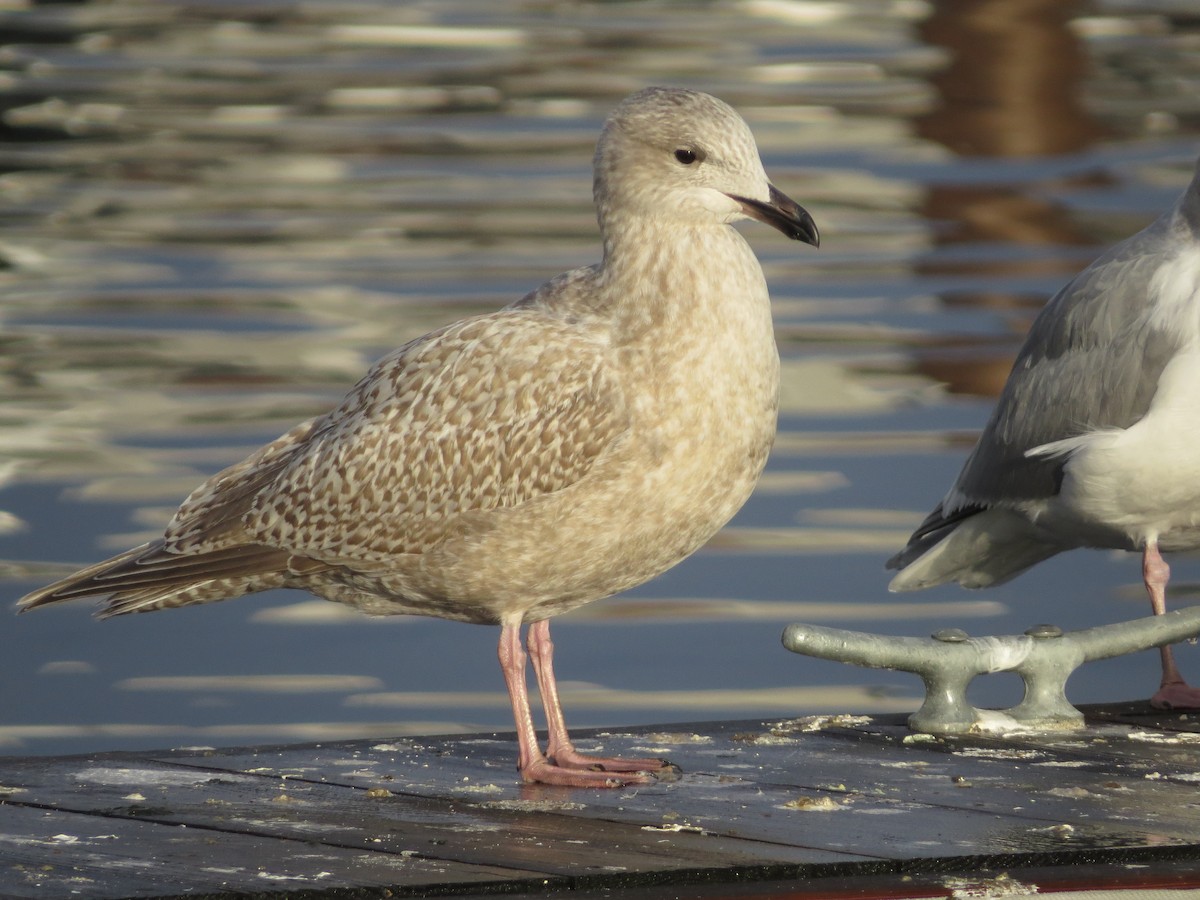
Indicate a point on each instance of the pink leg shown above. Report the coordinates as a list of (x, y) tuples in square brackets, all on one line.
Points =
[(531, 762), (1174, 692), (559, 748)]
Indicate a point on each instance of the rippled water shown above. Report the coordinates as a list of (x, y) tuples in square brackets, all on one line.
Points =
[(214, 215)]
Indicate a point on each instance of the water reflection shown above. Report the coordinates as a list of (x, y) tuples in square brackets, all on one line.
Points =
[(214, 218), (1015, 81), (1014, 87)]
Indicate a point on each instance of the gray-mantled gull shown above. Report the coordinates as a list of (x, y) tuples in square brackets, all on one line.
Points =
[(1093, 442), (512, 466)]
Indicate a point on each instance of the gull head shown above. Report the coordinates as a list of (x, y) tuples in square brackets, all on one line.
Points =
[(685, 158)]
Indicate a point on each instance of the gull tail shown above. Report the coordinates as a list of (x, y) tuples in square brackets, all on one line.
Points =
[(152, 577), (978, 548)]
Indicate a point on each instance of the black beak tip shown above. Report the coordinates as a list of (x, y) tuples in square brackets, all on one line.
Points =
[(783, 214), (806, 230)]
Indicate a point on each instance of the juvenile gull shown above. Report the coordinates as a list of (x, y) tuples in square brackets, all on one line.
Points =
[(512, 466), (1095, 441)]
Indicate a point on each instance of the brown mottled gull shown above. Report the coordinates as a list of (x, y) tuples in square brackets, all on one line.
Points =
[(512, 466)]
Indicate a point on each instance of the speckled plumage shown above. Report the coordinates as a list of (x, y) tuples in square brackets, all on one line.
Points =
[(511, 466)]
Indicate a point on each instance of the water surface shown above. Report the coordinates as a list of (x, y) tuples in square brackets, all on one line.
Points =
[(213, 217)]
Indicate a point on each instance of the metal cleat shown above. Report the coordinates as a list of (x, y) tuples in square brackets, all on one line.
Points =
[(947, 661)]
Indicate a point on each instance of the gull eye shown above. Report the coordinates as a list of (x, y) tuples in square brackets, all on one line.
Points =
[(687, 157)]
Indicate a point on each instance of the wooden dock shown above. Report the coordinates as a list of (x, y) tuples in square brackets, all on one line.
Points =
[(810, 807)]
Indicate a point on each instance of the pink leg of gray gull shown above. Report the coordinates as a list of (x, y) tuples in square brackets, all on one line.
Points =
[(1173, 692)]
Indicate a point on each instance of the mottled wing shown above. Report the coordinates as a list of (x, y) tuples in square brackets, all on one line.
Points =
[(572, 294), (212, 516), (203, 555), (486, 413)]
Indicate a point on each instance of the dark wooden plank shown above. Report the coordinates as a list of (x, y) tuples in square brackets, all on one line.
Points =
[(901, 800), (50, 853), (908, 802), (1181, 878), (523, 839), (845, 803), (1142, 715), (1096, 776)]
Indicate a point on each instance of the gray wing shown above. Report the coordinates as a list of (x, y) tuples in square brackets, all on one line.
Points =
[(1092, 360)]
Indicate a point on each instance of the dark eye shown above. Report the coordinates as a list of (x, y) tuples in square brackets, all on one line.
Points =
[(687, 157)]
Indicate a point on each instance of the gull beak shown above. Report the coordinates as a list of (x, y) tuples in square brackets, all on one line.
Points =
[(784, 213)]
